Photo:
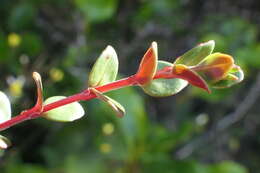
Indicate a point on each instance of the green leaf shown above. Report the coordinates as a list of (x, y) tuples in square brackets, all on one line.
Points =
[(105, 69), (66, 113), (196, 54), (247, 55), (5, 108), (22, 17), (4, 142), (5, 49), (228, 167), (21, 167), (97, 10), (164, 87), (31, 44), (234, 76)]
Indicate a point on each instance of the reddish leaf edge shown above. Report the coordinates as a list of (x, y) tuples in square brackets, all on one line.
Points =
[(37, 109), (148, 65), (183, 72)]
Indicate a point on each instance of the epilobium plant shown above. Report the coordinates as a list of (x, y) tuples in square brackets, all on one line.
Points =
[(198, 67)]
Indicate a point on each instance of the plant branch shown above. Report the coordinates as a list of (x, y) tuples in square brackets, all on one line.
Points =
[(87, 94), (84, 95)]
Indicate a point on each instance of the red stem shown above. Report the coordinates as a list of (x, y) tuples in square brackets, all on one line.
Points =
[(84, 95)]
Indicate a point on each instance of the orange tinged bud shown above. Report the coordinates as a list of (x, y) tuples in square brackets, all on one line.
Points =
[(148, 65), (215, 67)]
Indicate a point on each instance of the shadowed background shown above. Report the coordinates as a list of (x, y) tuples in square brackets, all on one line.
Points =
[(191, 132)]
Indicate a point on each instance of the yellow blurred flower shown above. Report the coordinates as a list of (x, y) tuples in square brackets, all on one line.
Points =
[(105, 148), (56, 74), (16, 85), (14, 40), (108, 129)]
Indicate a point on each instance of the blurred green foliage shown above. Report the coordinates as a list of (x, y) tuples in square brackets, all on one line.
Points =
[(62, 39), (97, 10)]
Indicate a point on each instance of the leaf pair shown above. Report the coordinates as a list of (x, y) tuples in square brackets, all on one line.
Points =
[(103, 72)]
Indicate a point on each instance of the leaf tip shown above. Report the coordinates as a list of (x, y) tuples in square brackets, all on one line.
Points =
[(4, 142), (110, 51), (148, 65), (38, 80), (241, 73), (36, 76), (154, 46), (210, 44)]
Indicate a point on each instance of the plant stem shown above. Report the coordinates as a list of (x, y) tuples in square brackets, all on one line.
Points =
[(84, 95)]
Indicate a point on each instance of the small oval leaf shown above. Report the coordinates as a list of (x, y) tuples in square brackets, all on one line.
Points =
[(148, 65), (105, 68), (4, 142), (214, 67), (234, 76), (164, 87), (66, 113), (5, 108), (196, 54)]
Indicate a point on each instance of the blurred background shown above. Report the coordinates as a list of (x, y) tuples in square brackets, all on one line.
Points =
[(191, 132)]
